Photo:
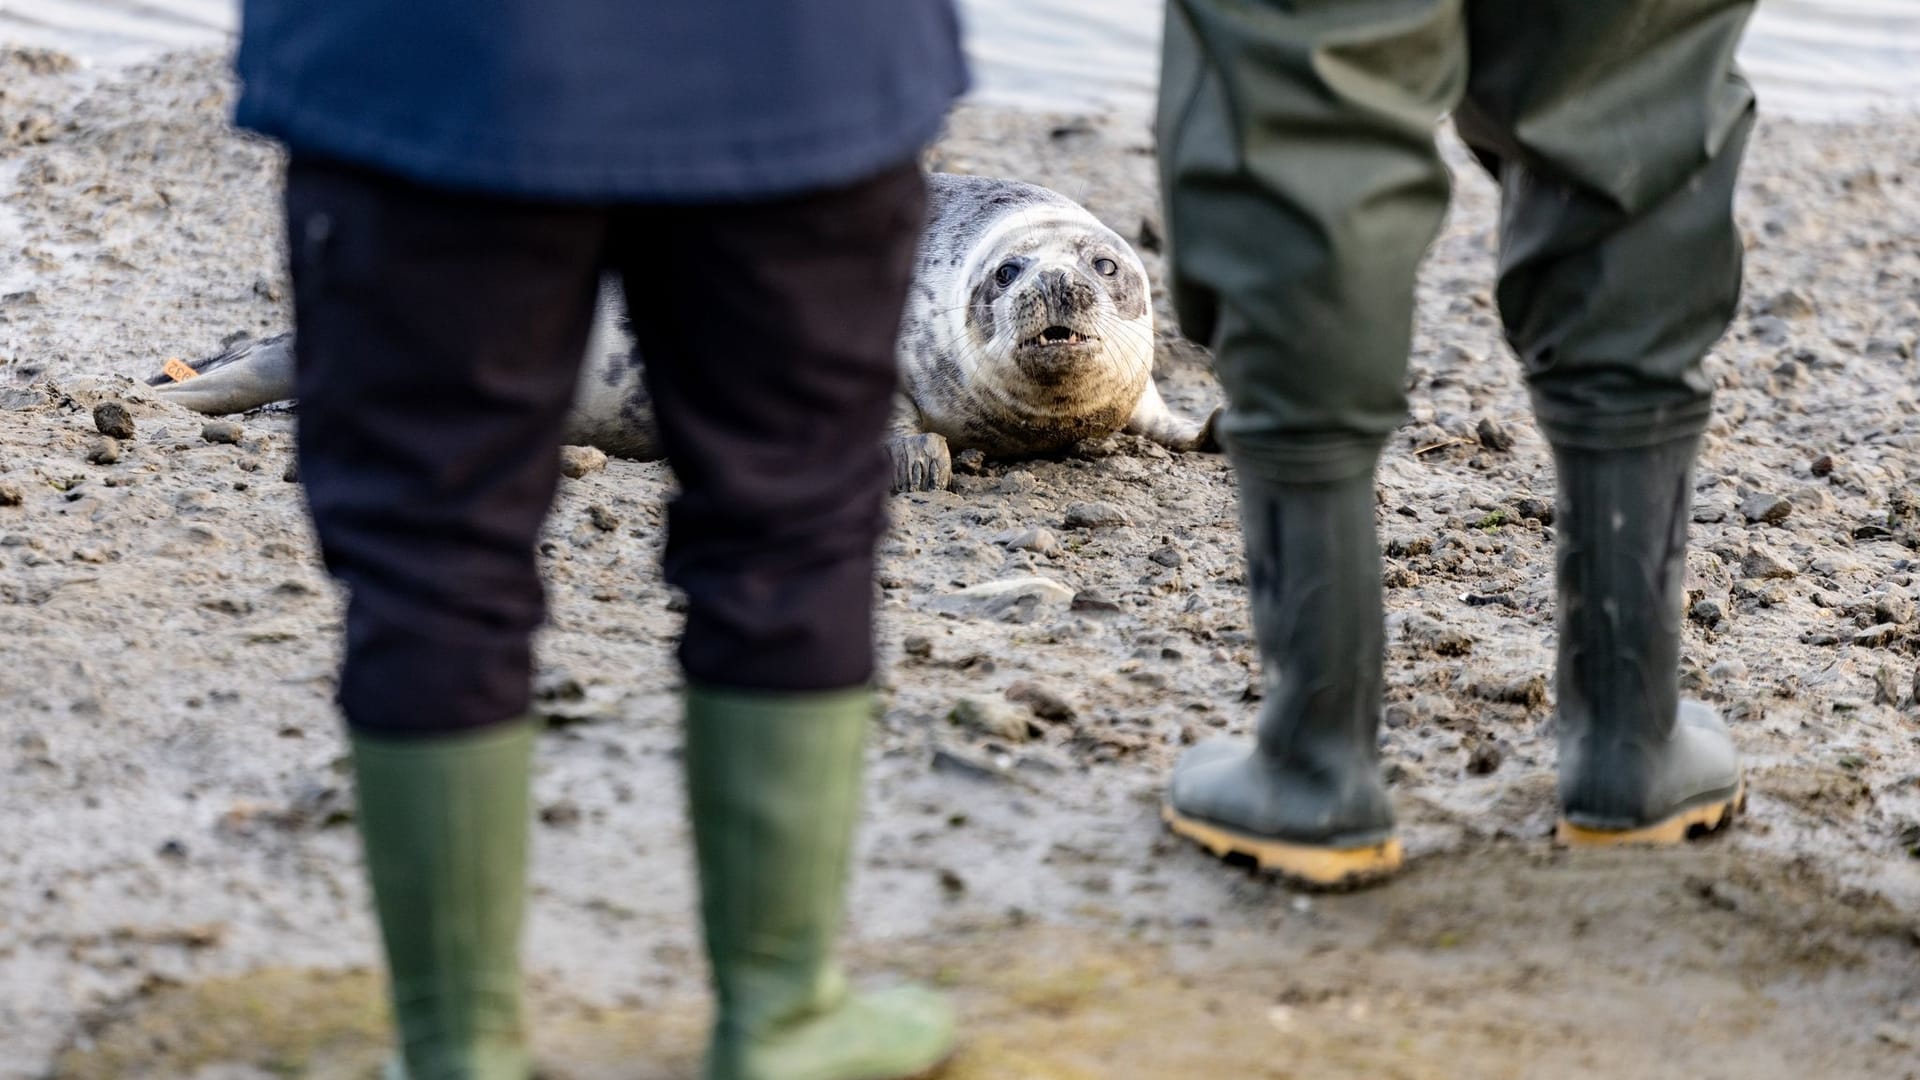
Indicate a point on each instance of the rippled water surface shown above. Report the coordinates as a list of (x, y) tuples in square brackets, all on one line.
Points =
[(1811, 58)]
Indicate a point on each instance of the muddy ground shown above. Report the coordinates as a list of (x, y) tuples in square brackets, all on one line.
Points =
[(179, 892)]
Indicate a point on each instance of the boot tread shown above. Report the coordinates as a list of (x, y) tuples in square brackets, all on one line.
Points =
[(1690, 823), (1315, 865)]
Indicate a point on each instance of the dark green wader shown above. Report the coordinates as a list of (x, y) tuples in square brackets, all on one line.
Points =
[(1303, 187)]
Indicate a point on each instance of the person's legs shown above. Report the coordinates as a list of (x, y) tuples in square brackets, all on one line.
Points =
[(1303, 187), (438, 341), (768, 331), (1615, 129)]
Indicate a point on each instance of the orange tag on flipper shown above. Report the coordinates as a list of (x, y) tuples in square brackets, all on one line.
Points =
[(177, 371)]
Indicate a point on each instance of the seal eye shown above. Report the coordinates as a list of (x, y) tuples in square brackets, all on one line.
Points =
[(1106, 266), (1004, 276)]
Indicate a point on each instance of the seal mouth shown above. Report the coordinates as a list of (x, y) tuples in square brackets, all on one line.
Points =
[(1054, 337)]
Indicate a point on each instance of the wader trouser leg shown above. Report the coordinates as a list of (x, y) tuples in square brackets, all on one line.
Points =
[(1303, 187), (1615, 129)]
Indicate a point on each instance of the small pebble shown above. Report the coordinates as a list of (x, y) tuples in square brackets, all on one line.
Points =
[(578, 461), (1088, 600), (1708, 513), (225, 432), (1038, 541), (1762, 508), (1430, 635), (603, 519), (1893, 609), (1169, 557), (1772, 330), (1042, 702), (1540, 510), (1877, 637), (1708, 611), (104, 451), (1493, 435), (111, 418), (1836, 564), (1889, 348), (1886, 686), (1018, 482), (1484, 759), (1763, 562), (1788, 304), (11, 495), (1093, 515), (990, 718), (951, 882), (1822, 465)]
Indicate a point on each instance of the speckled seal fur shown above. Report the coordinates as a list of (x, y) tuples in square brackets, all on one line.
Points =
[(1027, 329)]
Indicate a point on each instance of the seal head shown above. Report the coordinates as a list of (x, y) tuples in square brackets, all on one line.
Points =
[(1029, 328)]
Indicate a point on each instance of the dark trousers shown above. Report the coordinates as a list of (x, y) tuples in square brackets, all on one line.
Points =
[(439, 340)]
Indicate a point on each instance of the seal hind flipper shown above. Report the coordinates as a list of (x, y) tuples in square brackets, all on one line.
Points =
[(1153, 420), (249, 374)]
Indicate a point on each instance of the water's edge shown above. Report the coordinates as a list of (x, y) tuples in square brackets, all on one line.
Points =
[(1810, 59)]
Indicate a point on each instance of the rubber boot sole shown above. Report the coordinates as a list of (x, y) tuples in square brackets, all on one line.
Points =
[(934, 1071), (937, 1069), (1689, 824), (1304, 864)]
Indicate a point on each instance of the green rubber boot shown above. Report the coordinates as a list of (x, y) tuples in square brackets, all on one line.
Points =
[(444, 821), (774, 783), (1637, 764), (1306, 800)]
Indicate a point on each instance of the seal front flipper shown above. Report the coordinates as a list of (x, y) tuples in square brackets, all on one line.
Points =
[(1152, 419), (247, 375), (921, 462)]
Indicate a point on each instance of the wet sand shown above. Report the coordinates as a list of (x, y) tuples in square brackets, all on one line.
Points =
[(179, 887)]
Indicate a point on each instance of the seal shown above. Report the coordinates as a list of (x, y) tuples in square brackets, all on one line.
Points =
[(1028, 328)]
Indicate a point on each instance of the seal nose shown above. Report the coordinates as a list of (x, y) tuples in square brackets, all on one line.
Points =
[(1059, 289)]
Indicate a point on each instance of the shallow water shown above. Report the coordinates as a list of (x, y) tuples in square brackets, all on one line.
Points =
[(1817, 59)]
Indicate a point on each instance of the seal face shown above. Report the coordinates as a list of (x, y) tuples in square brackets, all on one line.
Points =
[(1028, 328)]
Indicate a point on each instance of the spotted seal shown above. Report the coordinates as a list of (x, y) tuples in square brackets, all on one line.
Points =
[(1028, 328)]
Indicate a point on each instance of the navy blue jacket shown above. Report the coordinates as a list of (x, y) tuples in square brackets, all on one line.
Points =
[(604, 100)]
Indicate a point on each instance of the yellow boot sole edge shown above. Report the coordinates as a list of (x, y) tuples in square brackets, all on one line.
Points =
[(1692, 822), (1305, 864)]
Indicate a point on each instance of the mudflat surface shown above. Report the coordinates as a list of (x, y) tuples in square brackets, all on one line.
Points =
[(179, 888)]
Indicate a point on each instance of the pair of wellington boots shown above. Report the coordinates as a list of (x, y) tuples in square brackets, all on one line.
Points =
[(774, 787), (1637, 763)]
